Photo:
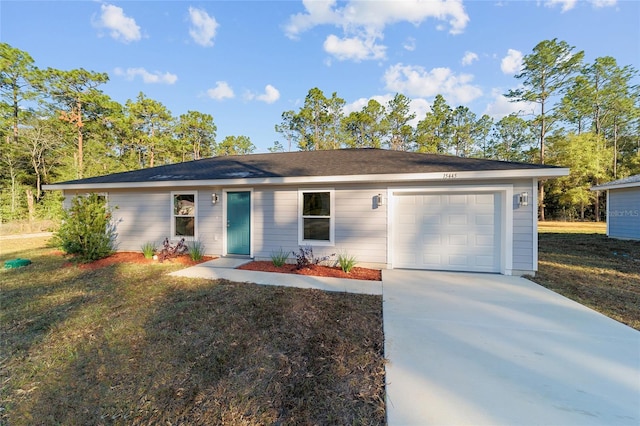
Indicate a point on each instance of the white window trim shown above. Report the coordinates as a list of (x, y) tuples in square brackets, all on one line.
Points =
[(332, 218), (173, 235)]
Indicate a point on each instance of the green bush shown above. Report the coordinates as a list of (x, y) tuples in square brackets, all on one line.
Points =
[(346, 262), (86, 230), (196, 250), (148, 249), (279, 257)]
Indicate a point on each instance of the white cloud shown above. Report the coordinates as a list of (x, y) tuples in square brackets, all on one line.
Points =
[(501, 106), (221, 91), (413, 80), (147, 77), (567, 5), (353, 48), (469, 58), (270, 95), (410, 44), (120, 26), (604, 3), (203, 27), (363, 22), (512, 63)]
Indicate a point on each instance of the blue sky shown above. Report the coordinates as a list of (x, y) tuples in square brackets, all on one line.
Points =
[(246, 62)]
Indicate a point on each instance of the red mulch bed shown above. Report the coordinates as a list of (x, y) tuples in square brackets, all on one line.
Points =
[(138, 258), (315, 270)]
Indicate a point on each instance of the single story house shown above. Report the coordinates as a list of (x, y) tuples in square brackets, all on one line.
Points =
[(389, 209), (623, 207)]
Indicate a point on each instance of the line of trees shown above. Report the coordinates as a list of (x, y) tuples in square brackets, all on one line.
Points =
[(585, 116), (59, 125)]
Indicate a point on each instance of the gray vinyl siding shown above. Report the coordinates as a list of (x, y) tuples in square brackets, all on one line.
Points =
[(145, 216), (360, 230), (624, 213), (523, 232), (275, 220), (361, 227)]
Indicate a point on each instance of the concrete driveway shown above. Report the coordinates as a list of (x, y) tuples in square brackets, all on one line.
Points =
[(480, 349)]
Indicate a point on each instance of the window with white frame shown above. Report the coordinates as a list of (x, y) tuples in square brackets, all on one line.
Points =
[(183, 212), (316, 220)]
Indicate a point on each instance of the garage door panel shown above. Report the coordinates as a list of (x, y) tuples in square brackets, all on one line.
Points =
[(431, 242), (431, 219), (484, 198), (458, 219), (484, 219), (485, 241), (458, 240), (447, 232), (484, 261), (432, 259), (457, 199), (458, 260)]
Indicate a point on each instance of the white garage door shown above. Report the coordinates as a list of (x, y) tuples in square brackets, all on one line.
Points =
[(452, 232)]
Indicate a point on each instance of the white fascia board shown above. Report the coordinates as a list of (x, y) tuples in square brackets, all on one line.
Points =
[(450, 177), (606, 187)]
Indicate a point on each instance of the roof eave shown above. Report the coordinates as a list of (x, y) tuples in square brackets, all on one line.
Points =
[(606, 187), (539, 173)]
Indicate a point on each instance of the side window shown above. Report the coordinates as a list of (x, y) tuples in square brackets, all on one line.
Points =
[(316, 220), (184, 208)]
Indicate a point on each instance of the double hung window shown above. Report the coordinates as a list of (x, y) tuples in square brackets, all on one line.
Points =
[(184, 207), (316, 221)]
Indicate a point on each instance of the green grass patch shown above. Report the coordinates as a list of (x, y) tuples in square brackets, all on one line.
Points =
[(128, 344), (572, 227), (599, 272)]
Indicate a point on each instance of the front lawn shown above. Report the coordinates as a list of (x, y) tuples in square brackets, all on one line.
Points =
[(127, 344), (578, 261)]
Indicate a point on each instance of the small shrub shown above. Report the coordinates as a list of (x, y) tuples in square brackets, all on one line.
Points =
[(196, 250), (169, 250), (148, 249), (305, 257), (86, 230), (347, 262), (279, 257)]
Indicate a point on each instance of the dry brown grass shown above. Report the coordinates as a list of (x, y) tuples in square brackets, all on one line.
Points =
[(127, 344), (588, 267)]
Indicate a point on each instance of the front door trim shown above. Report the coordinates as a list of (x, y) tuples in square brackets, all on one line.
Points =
[(225, 250)]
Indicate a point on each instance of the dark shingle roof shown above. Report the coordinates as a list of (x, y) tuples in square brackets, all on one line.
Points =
[(343, 162), (630, 181)]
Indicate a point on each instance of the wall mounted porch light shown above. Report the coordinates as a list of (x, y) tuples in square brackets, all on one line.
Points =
[(523, 199), (379, 200), (214, 198)]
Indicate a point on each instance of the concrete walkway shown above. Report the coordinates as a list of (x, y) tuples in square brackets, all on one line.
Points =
[(484, 349), (224, 268)]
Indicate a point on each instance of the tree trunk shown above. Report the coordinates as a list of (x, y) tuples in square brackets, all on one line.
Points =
[(615, 149), (541, 201), (30, 205)]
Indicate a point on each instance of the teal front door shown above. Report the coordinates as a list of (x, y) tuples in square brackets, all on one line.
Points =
[(239, 222)]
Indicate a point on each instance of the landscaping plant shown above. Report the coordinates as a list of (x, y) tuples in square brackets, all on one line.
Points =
[(305, 257), (279, 257), (172, 250), (148, 249), (347, 262), (86, 230), (196, 250)]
